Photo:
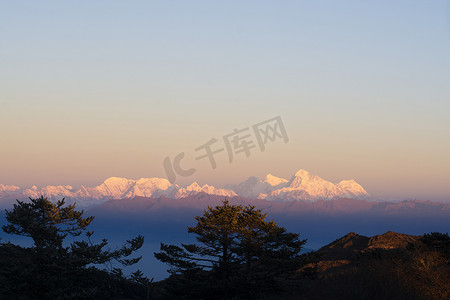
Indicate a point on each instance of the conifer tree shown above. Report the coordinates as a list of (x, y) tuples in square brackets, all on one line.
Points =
[(237, 245), (54, 267)]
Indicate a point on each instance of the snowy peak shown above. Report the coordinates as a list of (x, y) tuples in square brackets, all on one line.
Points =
[(302, 186), (116, 181), (49, 191), (195, 188), (306, 186), (303, 174), (115, 186), (273, 180), (8, 188), (145, 187), (160, 183), (352, 188), (111, 188), (251, 187), (306, 179)]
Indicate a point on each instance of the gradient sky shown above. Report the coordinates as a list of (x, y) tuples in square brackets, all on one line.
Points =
[(93, 89)]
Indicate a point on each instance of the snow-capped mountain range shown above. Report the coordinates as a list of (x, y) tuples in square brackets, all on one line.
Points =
[(301, 186)]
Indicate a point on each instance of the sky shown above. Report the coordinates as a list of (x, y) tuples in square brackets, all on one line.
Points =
[(94, 89)]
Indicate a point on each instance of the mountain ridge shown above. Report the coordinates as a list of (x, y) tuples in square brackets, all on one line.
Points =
[(302, 186)]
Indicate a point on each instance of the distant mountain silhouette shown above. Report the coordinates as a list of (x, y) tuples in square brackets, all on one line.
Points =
[(199, 201)]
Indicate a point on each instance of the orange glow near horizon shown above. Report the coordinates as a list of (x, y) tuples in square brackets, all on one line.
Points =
[(362, 90)]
